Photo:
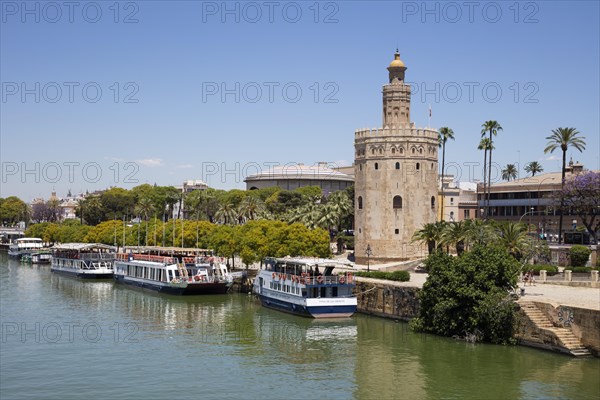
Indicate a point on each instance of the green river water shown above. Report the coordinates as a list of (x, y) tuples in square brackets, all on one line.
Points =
[(63, 338)]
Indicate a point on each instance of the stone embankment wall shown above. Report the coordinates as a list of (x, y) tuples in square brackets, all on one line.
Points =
[(399, 301), (387, 299), (583, 322)]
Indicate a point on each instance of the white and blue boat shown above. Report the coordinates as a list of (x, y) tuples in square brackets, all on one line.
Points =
[(25, 246), (307, 287), (84, 260)]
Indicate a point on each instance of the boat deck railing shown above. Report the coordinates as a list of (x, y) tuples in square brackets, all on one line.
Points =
[(307, 279), (86, 256), (146, 257)]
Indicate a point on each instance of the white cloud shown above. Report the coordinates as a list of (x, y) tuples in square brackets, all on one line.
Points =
[(553, 158), (150, 162)]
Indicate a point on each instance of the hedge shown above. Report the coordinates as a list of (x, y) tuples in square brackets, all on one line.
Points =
[(550, 269), (579, 255), (400, 276), (580, 269)]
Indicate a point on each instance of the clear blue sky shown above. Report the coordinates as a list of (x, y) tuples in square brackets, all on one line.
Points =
[(542, 55)]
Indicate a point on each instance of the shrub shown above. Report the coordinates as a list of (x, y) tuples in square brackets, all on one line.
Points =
[(580, 269), (550, 269), (579, 255), (399, 276), (468, 296)]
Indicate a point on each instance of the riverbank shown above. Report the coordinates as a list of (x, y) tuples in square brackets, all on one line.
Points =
[(399, 300)]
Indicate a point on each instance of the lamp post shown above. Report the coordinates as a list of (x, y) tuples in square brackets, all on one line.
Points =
[(368, 253)]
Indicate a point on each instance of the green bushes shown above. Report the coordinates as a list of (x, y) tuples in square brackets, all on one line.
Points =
[(468, 296), (550, 269), (580, 269), (579, 255), (400, 276)]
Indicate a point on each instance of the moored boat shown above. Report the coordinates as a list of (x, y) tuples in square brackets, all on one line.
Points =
[(25, 246), (306, 287), (84, 260), (173, 275), (38, 257)]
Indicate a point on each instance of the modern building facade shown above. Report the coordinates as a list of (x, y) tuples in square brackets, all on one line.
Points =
[(396, 176), (530, 200)]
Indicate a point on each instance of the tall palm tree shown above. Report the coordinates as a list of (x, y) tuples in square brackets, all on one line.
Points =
[(455, 233), (533, 168), (443, 136), (563, 138), (144, 207), (484, 145), (513, 236), (509, 172), (492, 127)]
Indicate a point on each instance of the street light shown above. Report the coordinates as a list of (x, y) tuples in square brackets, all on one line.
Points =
[(368, 253)]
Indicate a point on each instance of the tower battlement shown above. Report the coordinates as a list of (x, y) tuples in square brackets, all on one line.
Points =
[(405, 130)]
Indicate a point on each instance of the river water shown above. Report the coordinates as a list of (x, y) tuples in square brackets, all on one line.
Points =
[(63, 338)]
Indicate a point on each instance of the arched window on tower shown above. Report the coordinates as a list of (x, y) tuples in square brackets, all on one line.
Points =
[(418, 166), (393, 150), (397, 202), (397, 165), (432, 202), (376, 165), (360, 202), (413, 150), (401, 150)]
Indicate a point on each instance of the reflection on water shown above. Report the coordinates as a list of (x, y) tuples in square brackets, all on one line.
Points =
[(140, 344)]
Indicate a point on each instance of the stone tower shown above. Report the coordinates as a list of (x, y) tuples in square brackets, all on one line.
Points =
[(395, 178)]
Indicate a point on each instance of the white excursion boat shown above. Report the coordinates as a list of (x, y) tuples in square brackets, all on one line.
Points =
[(84, 260), (24, 246), (307, 287), (173, 275)]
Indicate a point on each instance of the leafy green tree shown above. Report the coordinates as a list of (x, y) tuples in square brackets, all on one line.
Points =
[(533, 168), (445, 134), (455, 234), (563, 138), (509, 172), (13, 210), (492, 127), (310, 192), (116, 203), (467, 296), (91, 211)]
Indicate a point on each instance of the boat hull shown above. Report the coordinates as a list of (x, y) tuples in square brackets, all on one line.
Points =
[(80, 275), (191, 289), (334, 311)]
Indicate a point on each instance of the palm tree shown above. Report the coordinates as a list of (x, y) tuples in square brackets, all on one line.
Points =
[(513, 236), (455, 233), (252, 207), (563, 138), (493, 127), (443, 136), (340, 207), (430, 234), (226, 213), (484, 145), (533, 168), (480, 232), (509, 172), (144, 207)]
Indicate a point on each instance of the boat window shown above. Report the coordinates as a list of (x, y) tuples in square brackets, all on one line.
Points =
[(334, 291), (323, 291), (303, 292)]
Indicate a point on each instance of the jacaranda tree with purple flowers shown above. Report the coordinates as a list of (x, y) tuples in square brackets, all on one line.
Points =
[(581, 196)]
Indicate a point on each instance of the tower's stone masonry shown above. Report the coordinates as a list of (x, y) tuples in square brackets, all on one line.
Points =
[(395, 178)]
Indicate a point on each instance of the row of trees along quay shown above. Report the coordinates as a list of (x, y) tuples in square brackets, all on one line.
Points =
[(580, 195)]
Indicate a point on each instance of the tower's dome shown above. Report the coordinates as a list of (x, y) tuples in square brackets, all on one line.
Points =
[(397, 62)]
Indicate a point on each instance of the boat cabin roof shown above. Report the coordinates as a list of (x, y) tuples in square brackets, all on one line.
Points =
[(182, 251), (25, 240), (83, 247), (309, 262)]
